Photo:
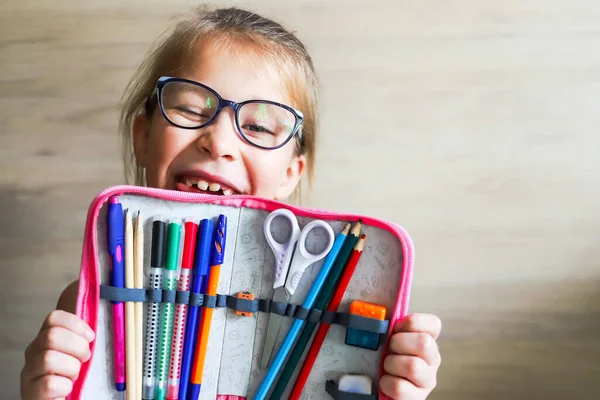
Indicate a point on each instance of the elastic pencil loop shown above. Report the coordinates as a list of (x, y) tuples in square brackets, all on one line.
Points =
[(117, 294), (196, 300), (182, 297), (332, 390), (168, 296), (154, 295)]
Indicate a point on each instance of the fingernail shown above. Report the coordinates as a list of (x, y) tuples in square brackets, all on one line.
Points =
[(89, 334)]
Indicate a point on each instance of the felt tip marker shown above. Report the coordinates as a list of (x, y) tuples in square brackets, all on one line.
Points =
[(187, 261), (169, 282), (115, 241), (157, 263)]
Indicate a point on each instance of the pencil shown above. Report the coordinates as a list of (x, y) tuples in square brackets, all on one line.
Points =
[(129, 311), (324, 327), (310, 299), (322, 301), (138, 272)]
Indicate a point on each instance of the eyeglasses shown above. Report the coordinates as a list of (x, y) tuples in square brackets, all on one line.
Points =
[(192, 105)]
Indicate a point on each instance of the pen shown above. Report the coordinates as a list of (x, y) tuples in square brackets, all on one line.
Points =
[(169, 282), (323, 328), (157, 262), (115, 248), (129, 310), (216, 259), (200, 271), (138, 260), (298, 323), (187, 260), (320, 304)]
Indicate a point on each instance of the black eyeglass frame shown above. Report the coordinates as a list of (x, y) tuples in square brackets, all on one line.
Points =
[(164, 80)]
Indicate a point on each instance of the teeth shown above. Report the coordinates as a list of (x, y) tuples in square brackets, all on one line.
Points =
[(202, 185), (227, 192), (188, 183), (214, 187)]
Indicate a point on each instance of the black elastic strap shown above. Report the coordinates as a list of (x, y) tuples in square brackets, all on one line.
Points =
[(154, 295), (168, 296), (182, 298), (112, 293), (115, 294), (331, 388)]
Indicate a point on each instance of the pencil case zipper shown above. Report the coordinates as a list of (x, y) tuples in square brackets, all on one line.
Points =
[(89, 276)]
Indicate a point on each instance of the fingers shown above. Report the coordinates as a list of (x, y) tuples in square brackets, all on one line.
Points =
[(413, 369), (52, 362), (416, 344), (69, 321), (50, 387), (427, 323), (399, 388), (65, 341)]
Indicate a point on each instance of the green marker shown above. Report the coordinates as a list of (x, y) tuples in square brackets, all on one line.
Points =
[(169, 282)]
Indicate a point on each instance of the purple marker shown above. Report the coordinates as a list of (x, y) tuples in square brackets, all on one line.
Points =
[(115, 241)]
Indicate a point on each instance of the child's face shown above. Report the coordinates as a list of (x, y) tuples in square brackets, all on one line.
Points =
[(215, 155)]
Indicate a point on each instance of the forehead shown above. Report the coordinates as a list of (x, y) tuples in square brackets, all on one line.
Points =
[(236, 72)]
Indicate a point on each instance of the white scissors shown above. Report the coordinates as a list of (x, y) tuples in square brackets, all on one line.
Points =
[(294, 249)]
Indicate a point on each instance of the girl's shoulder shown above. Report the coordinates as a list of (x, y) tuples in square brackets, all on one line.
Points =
[(68, 298)]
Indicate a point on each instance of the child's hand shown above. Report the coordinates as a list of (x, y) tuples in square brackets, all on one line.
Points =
[(54, 357), (411, 367)]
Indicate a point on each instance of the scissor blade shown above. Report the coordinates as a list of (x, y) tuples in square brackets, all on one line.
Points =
[(272, 332), (275, 320)]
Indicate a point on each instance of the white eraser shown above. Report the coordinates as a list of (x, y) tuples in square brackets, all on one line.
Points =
[(355, 384)]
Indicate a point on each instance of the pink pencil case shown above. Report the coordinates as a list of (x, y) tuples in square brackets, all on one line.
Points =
[(383, 276)]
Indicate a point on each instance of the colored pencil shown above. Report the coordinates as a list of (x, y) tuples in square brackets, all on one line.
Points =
[(308, 303), (323, 328), (322, 300)]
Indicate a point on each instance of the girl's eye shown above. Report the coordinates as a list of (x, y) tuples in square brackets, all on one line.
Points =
[(187, 110), (258, 129)]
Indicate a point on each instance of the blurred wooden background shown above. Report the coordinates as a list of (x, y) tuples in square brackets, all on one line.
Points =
[(473, 123)]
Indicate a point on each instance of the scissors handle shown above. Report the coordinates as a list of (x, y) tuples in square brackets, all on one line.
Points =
[(282, 251), (303, 258)]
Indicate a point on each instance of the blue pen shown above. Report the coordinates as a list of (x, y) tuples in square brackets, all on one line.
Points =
[(116, 241), (217, 257), (298, 323), (200, 272)]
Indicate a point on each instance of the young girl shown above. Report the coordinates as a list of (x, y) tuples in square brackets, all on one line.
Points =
[(187, 125)]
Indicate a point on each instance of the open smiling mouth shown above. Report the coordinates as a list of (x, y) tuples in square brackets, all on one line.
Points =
[(203, 186)]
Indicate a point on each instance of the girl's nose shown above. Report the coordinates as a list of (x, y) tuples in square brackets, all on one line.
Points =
[(219, 139)]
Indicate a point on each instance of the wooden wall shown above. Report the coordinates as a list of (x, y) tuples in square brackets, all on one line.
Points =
[(473, 123)]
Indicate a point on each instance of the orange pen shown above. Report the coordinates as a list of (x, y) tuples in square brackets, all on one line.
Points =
[(216, 259)]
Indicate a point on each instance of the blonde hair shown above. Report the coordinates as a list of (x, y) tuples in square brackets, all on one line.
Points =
[(231, 28)]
